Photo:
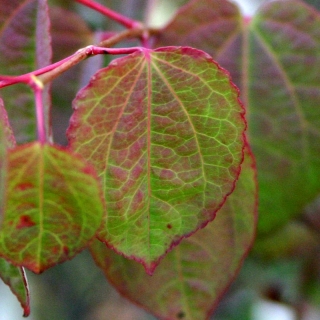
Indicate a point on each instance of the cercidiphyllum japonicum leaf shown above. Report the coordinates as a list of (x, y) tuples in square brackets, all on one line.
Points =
[(7, 141), (54, 206), (165, 130), (190, 280), (25, 45), (16, 279), (68, 35), (274, 59), (13, 276)]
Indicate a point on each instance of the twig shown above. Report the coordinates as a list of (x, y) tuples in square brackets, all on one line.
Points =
[(126, 22)]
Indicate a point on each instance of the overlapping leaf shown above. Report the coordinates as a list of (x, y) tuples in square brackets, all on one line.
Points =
[(53, 206), (164, 129), (6, 141), (13, 276), (274, 60), (24, 47), (16, 279), (190, 280), (68, 36)]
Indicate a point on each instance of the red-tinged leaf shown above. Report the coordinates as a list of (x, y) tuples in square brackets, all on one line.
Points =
[(68, 36), (15, 278), (210, 25), (191, 279), (54, 206), (6, 141), (274, 59), (7, 9), (164, 129), (25, 45)]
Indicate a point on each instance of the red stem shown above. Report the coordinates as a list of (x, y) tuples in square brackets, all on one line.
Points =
[(37, 87), (59, 67), (128, 23)]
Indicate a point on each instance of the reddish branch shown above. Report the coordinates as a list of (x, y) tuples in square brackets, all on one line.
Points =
[(52, 71), (128, 23)]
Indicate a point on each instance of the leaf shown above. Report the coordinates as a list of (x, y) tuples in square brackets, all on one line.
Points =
[(15, 278), (68, 36), (53, 207), (6, 141), (25, 45), (274, 60), (191, 279), (167, 139)]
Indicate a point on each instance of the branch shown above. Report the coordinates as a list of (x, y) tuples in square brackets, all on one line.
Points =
[(126, 22), (52, 71)]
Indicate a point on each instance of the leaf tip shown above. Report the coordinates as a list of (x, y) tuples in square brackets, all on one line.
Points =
[(26, 311)]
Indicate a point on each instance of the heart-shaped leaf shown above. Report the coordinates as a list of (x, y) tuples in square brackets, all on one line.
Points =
[(191, 279), (25, 45), (53, 208), (274, 59), (165, 130)]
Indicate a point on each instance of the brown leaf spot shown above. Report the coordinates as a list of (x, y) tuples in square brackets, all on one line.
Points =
[(181, 315), (24, 186), (25, 222), (66, 250), (169, 226)]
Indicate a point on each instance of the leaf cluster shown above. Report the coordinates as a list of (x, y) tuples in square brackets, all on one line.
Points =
[(153, 160)]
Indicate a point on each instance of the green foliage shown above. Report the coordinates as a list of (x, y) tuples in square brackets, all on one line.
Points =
[(158, 176), (169, 136)]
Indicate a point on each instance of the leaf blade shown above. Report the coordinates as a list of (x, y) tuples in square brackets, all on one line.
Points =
[(25, 45), (273, 60), (15, 278), (192, 277), (54, 206), (146, 144)]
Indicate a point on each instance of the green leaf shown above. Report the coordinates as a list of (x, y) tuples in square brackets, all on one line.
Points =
[(191, 279), (6, 141), (274, 59), (53, 206), (25, 45), (15, 278), (68, 36), (164, 129)]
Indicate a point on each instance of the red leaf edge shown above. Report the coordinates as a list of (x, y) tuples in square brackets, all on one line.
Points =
[(89, 170), (196, 53), (236, 272)]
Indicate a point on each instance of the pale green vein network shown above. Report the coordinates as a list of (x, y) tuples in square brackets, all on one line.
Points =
[(188, 72), (191, 124), (120, 114)]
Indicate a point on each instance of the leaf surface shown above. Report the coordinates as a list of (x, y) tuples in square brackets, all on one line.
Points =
[(274, 60), (53, 209), (68, 36), (164, 129), (190, 280), (15, 278), (25, 45), (11, 275)]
